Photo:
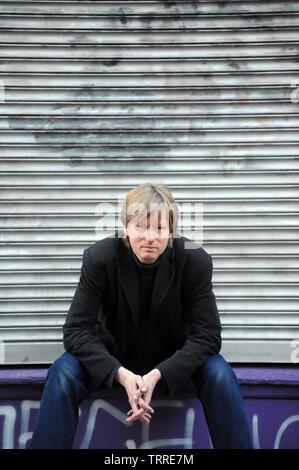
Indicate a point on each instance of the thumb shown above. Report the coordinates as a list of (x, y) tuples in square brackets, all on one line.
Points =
[(141, 384)]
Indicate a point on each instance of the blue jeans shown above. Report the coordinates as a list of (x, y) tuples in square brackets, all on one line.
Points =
[(68, 384)]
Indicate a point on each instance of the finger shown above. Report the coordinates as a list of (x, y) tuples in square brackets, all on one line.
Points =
[(135, 415), (142, 419), (145, 416), (132, 418), (137, 394), (140, 388), (145, 406), (141, 384), (133, 411), (134, 405), (137, 410)]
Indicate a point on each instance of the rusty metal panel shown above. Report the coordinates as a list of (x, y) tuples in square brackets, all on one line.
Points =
[(99, 96)]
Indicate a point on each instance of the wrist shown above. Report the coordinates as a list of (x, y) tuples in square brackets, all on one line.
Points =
[(121, 375), (156, 374)]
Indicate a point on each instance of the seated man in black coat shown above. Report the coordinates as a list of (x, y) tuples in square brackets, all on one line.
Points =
[(143, 314)]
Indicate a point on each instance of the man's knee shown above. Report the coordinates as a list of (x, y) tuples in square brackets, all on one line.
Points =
[(217, 371), (67, 371)]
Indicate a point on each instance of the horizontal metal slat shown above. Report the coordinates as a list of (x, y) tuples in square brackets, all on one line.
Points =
[(31, 334), (231, 177), (147, 8), (266, 234), (265, 291), (253, 78), (149, 66), (247, 333), (238, 320), (154, 94), (150, 22), (172, 137), (121, 52), (269, 251), (257, 305), (152, 37), (89, 207), (62, 265), (144, 123), (260, 333), (235, 308), (104, 192), (42, 307), (261, 264), (233, 293), (134, 152), (235, 304), (56, 221), (140, 109), (31, 320), (68, 274), (248, 263), (139, 164)]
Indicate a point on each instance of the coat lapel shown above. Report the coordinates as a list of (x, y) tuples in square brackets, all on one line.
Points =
[(129, 280), (164, 277)]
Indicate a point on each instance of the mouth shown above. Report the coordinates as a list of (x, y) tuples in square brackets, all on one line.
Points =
[(149, 247)]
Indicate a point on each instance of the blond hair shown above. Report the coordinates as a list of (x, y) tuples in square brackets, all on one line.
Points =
[(150, 195)]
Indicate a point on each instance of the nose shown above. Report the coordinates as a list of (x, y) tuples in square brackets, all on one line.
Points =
[(151, 234)]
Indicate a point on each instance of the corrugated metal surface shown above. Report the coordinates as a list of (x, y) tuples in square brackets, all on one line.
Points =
[(100, 96)]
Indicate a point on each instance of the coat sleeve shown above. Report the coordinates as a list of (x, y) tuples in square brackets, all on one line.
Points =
[(80, 336), (204, 336)]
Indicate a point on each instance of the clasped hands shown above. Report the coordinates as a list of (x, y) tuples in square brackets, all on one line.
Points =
[(139, 390)]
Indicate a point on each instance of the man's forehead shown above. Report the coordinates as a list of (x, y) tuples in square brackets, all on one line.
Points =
[(153, 216)]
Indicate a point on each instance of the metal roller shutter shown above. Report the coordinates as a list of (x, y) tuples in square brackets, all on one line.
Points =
[(101, 96)]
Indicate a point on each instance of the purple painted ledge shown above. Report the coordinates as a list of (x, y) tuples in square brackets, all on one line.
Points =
[(248, 376), (268, 375)]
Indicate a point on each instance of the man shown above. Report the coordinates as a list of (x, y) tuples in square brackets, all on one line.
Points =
[(143, 316)]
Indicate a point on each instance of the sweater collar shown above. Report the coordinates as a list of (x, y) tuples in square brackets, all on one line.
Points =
[(149, 266)]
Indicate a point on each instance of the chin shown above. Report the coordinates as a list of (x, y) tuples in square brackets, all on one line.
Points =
[(149, 259)]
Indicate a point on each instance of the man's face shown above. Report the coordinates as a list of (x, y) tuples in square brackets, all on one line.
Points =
[(148, 235)]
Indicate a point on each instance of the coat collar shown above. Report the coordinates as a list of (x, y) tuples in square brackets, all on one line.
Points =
[(129, 279)]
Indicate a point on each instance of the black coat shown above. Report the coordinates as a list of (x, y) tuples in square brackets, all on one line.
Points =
[(102, 318)]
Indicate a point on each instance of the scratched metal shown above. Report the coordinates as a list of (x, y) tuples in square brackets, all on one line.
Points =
[(100, 96)]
